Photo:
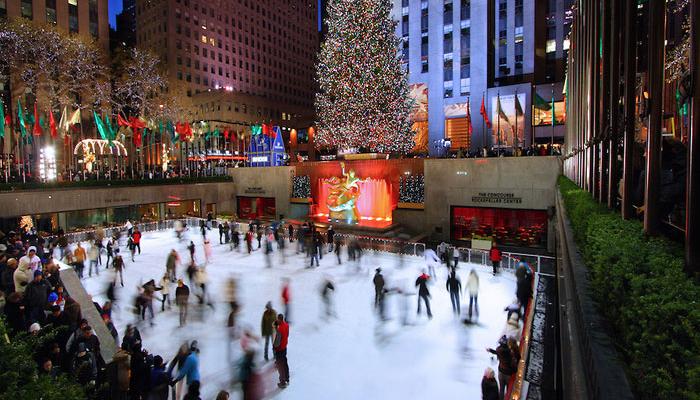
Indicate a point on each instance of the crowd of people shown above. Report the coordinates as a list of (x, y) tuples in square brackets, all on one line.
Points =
[(35, 300)]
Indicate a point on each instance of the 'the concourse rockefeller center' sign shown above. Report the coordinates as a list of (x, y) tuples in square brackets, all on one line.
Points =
[(496, 198)]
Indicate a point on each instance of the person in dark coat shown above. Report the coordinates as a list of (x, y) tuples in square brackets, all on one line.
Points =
[(454, 286), (15, 312), (524, 285), (489, 386), (266, 330), (424, 293), (379, 291), (159, 380), (330, 236), (507, 364), (36, 298)]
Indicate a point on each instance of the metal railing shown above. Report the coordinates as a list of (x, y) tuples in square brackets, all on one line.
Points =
[(384, 245), (142, 226), (509, 260)]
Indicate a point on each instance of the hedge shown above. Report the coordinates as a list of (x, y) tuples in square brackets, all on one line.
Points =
[(650, 304), (19, 372), (5, 187)]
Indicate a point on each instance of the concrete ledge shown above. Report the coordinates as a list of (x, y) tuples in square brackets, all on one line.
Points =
[(583, 333)]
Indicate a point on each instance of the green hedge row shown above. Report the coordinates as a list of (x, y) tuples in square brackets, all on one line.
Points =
[(5, 187), (650, 304)]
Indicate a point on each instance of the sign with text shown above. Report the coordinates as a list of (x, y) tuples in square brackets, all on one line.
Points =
[(496, 198)]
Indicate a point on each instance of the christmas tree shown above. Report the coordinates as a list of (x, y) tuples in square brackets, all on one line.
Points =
[(364, 100)]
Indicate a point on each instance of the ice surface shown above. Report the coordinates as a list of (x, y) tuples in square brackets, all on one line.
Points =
[(353, 356)]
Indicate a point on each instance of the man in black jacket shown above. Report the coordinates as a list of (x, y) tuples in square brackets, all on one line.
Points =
[(423, 293), (36, 297), (454, 286)]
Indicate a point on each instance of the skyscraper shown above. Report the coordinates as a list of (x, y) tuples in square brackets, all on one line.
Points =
[(459, 52)]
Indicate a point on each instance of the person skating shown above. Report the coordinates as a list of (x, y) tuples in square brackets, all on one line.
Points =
[(93, 255), (137, 239), (266, 328), (337, 249), (326, 289), (248, 377), (207, 251), (290, 230), (227, 232), (232, 328), (129, 227), (165, 291), (431, 259), (286, 298), (313, 252), (524, 286), (259, 235), (378, 281), (330, 236), (507, 364), (110, 251), (423, 293), (454, 287), (280, 350), (201, 278), (158, 380), (221, 233), (190, 369), (495, 257), (132, 247), (79, 259), (455, 256), (489, 386), (190, 248), (118, 265), (171, 265), (203, 229), (473, 292), (235, 239), (182, 296), (249, 241)]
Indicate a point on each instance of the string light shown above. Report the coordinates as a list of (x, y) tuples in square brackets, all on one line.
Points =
[(364, 100), (301, 187), (412, 189)]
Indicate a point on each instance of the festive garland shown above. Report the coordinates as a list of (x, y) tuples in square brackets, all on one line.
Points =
[(301, 187), (412, 189)]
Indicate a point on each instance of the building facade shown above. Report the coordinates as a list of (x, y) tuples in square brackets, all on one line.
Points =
[(458, 52), (264, 49), (126, 24)]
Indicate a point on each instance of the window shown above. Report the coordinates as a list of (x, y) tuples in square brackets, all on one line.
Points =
[(464, 42), (551, 46), (405, 51), (424, 21), (447, 43), (92, 14), (404, 25), (447, 70), (464, 68), (3, 8), (447, 86), (424, 53), (464, 84), (73, 16), (447, 12), (465, 10), (50, 11), (519, 34), (27, 11)]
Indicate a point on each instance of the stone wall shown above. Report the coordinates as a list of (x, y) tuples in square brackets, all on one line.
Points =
[(14, 204), (264, 182), (522, 182)]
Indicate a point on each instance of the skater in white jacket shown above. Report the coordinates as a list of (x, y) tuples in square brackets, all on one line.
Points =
[(473, 292)]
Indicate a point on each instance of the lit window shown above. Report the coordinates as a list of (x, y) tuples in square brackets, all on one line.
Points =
[(204, 39), (566, 44), (551, 46)]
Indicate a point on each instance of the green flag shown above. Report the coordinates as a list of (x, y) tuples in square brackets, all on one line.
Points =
[(20, 116), (2, 119), (111, 132), (256, 130), (518, 107), (554, 119), (540, 103), (100, 125)]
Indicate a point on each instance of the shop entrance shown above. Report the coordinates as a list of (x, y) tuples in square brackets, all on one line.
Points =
[(509, 227), (255, 207)]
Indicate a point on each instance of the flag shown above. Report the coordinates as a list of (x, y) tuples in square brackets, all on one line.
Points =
[(469, 118), (255, 130), (100, 126), (540, 103), (75, 117), (63, 121), (111, 131), (268, 131), (52, 125), (499, 110), (2, 119), (554, 117), (20, 117), (484, 114), (37, 122), (518, 107)]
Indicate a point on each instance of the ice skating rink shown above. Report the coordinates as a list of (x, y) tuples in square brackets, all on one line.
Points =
[(351, 356)]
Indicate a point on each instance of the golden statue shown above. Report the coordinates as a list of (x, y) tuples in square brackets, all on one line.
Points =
[(342, 197)]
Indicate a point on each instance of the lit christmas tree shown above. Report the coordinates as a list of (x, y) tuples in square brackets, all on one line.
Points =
[(364, 100)]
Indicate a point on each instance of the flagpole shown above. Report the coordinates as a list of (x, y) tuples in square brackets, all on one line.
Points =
[(533, 89), (483, 127), (551, 143), (516, 139), (498, 124)]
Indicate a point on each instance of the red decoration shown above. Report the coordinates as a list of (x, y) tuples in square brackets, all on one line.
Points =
[(52, 125), (484, 113), (37, 126), (136, 126)]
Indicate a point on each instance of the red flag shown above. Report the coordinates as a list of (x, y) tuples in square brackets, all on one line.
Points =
[(226, 134), (37, 126), (266, 130), (52, 125), (469, 118), (484, 114)]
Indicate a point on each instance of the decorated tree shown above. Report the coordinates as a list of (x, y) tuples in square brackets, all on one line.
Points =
[(363, 102)]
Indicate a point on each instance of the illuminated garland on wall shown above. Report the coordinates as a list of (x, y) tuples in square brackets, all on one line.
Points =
[(363, 102), (301, 187), (412, 189)]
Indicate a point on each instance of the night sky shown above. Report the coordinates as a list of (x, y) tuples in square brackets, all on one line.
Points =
[(115, 7)]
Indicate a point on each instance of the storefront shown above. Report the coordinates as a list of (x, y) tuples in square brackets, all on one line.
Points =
[(509, 227), (255, 207)]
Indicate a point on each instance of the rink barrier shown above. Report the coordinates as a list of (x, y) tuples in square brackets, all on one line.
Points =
[(143, 227), (537, 262), (378, 244)]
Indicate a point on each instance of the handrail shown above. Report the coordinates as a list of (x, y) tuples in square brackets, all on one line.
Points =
[(481, 257), (142, 226)]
